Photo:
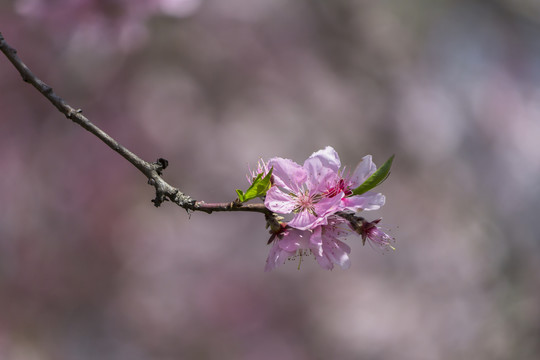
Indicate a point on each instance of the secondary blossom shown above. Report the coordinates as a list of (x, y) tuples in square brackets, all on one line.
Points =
[(323, 243)]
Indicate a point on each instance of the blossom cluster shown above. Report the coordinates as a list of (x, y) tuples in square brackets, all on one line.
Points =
[(320, 199)]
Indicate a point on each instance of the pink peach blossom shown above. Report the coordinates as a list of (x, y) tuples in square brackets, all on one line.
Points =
[(298, 189)]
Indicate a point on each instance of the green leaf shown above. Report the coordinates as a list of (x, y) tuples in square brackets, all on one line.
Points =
[(258, 187), (376, 178), (240, 195)]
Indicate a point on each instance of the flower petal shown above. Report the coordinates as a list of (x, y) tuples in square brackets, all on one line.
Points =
[(328, 157), (277, 201), (303, 220), (365, 168), (294, 240), (316, 241), (322, 169), (338, 253), (324, 262), (367, 201), (379, 237), (276, 257), (287, 174), (319, 177), (328, 206)]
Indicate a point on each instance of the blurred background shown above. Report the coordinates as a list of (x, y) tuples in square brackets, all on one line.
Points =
[(89, 269)]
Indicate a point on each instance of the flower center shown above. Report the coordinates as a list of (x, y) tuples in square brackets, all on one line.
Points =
[(337, 188), (304, 201)]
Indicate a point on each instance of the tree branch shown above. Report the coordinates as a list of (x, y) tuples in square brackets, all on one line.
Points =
[(152, 171)]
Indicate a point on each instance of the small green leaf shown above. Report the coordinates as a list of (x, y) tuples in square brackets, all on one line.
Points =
[(258, 187), (376, 178), (240, 195)]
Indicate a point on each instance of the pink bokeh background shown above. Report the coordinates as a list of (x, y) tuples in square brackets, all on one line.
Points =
[(89, 269)]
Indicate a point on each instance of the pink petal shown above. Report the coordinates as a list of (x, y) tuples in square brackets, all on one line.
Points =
[(275, 258), (328, 157), (324, 262), (342, 246), (304, 220), (294, 240), (316, 241), (287, 174), (367, 201), (322, 168), (327, 206), (337, 251), (319, 176), (277, 201), (365, 168)]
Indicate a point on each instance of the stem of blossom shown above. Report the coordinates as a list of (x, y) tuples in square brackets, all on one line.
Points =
[(164, 191), (357, 222), (273, 221)]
